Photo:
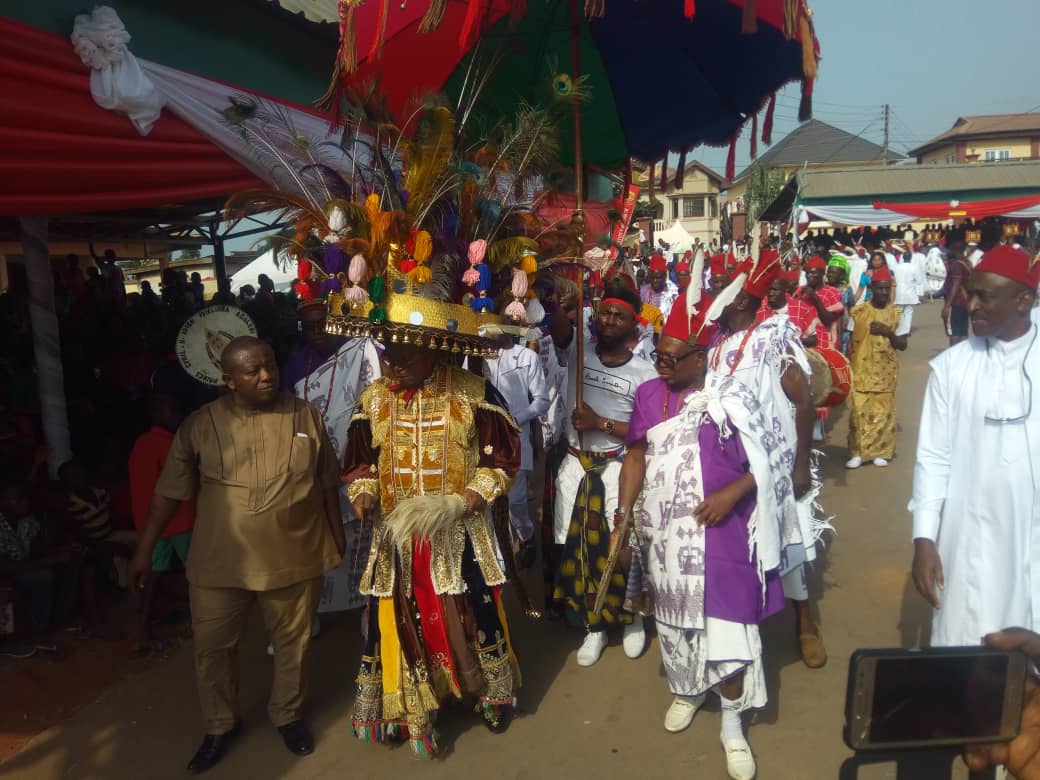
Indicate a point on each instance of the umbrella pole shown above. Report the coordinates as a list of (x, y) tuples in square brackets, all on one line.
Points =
[(578, 218)]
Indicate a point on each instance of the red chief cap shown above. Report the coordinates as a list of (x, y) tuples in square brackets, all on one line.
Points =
[(687, 254), (683, 266), (658, 263), (791, 277), (718, 264), (767, 256), (1012, 263), (764, 273), (693, 330), (881, 274), (816, 262)]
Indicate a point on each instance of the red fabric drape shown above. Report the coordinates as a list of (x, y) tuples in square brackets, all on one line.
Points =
[(62, 153), (558, 207), (976, 209)]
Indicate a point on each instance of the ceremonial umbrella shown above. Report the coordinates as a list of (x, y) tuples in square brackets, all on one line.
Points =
[(644, 77), (660, 76)]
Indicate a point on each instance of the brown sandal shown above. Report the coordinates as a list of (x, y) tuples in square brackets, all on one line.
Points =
[(814, 654)]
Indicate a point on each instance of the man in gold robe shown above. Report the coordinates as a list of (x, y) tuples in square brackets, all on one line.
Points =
[(432, 446), (877, 335)]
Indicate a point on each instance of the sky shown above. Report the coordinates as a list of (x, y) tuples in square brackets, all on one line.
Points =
[(930, 60)]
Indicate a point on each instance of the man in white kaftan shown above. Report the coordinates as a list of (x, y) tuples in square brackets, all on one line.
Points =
[(517, 374), (976, 504)]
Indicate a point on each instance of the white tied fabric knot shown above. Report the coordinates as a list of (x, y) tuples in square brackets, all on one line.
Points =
[(117, 82)]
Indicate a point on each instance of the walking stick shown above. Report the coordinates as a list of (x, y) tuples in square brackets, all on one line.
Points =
[(617, 542)]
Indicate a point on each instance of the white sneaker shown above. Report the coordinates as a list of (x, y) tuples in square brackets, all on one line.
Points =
[(592, 648), (880, 462), (740, 763), (680, 714), (634, 638), (854, 462)]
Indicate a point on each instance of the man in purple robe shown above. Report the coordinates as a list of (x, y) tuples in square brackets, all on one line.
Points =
[(715, 496)]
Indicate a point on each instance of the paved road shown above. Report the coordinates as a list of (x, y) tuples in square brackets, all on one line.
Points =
[(604, 721)]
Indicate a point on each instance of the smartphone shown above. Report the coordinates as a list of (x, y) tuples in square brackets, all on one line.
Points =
[(904, 699)]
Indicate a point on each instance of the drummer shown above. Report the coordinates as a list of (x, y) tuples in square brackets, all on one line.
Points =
[(825, 301), (877, 333)]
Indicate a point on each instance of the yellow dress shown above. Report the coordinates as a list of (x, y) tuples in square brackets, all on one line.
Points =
[(875, 371)]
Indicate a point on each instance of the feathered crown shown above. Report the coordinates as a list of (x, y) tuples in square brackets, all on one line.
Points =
[(419, 235)]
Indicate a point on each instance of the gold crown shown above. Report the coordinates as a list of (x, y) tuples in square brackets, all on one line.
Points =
[(413, 319)]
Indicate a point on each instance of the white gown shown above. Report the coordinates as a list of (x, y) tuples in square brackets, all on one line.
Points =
[(976, 482)]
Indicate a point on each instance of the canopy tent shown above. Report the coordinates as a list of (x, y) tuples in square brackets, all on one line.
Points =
[(677, 237), (62, 154), (282, 272), (890, 195)]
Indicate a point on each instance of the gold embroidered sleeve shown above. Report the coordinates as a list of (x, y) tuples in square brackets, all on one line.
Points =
[(363, 486), (489, 483)]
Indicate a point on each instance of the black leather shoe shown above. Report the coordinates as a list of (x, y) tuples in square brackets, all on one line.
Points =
[(297, 738), (212, 749)]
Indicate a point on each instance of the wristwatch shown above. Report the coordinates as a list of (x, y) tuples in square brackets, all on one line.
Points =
[(607, 426)]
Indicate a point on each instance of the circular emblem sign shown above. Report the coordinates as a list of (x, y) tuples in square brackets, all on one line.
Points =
[(202, 339)]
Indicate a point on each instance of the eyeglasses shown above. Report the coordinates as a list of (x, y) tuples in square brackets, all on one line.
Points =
[(1029, 391), (667, 361)]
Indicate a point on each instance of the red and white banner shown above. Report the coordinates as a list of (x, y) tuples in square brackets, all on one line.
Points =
[(628, 207)]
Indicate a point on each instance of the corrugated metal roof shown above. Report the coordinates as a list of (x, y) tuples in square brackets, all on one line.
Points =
[(992, 125), (889, 180), (906, 183), (818, 142)]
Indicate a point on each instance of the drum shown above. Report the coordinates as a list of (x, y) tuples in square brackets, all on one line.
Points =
[(831, 380)]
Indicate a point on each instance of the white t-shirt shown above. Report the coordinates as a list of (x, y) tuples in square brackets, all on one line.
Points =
[(609, 390)]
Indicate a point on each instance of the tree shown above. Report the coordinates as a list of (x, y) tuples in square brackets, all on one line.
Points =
[(764, 184)]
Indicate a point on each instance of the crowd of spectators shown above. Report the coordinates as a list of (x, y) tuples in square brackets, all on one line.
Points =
[(63, 541)]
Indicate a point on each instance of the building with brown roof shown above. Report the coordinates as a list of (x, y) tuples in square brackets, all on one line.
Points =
[(991, 138), (694, 204)]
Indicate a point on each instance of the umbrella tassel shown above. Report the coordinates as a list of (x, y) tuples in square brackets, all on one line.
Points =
[(767, 125), (469, 23), (689, 8), (628, 175), (664, 176), (650, 179), (346, 60), (731, 158), (805, 32), (791, 18), (595, 8), (380, 39), (680, 172), (749, 21), (805, 105), (434, 16), (754, 136), (347, 38)]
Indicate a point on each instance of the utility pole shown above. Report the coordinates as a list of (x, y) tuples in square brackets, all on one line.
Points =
[(884, 143)]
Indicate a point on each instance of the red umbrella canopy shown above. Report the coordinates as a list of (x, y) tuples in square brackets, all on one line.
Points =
[(715, 63)]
